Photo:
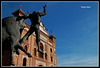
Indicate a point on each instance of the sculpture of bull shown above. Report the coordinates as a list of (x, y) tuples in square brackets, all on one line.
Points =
[(11, 34)]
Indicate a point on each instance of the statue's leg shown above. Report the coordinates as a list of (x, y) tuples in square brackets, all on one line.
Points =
[(37, 31), (31, 30), (13, 41), (20, 47), (11, 58), (21, 42), (26, 35), (17, 50)]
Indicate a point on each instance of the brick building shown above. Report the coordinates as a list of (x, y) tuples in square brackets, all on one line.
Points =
[(47, 44)]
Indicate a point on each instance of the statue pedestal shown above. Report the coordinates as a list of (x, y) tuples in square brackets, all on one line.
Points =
[(6, 58)]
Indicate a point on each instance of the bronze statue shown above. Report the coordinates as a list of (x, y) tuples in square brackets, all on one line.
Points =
[(35, 19), (11, 32)]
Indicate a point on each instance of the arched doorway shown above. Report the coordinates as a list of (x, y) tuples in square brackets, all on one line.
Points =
[(24, 62), (40, 65)]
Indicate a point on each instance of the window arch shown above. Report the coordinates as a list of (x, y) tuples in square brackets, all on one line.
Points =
[(51, 59), (24, 62), (41, 47), (25, 47), (51, 50), (34, 51), (46, 56), (40, 65)]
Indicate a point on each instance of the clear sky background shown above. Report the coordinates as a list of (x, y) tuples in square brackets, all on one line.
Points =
[(74, 24)]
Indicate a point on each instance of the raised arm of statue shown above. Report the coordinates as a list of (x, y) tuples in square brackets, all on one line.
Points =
[(25, 16), (44, 13)]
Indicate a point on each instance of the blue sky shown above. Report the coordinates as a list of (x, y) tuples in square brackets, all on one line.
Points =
[(74, 24)]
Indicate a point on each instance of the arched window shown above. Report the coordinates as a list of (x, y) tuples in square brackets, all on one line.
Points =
[(45, 47), (51, 50), (46, 56), (41, 46), (51, 59), (25, 47), (24, 62), (34, 51)]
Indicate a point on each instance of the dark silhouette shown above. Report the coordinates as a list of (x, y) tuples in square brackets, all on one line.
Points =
[(35, 19), (11, 32)]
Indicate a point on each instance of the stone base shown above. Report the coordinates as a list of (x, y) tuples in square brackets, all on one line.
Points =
[(6, 58)]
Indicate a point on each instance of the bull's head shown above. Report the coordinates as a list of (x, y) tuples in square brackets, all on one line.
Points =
[(21, 22)]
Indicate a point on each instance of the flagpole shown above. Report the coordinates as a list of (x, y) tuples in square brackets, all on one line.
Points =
[(51, 31), (20, 6)]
